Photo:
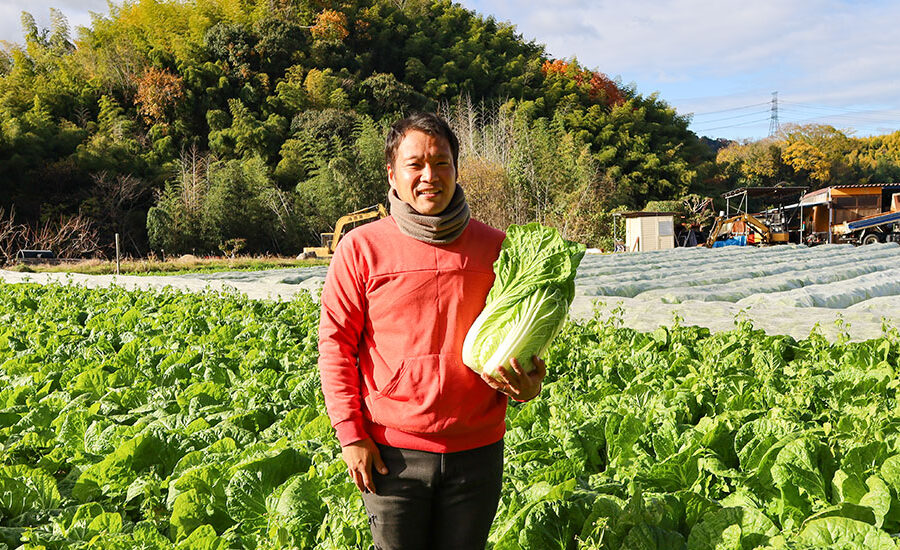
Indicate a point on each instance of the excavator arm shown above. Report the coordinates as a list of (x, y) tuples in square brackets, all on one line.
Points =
[(330, 240), (724, 224), (377, 211), (762, 228)]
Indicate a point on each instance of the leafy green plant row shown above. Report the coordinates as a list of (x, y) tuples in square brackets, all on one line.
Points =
[(166, 420), (684, 439), (133, 420)]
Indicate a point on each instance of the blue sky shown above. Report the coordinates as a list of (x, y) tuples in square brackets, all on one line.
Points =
[(831, 61)]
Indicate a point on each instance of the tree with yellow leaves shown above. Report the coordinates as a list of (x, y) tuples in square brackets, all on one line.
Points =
[(816, 152)]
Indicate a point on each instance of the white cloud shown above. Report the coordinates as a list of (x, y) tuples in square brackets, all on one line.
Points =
[(725, 37), (76, 11), (647, 35), (720, 54), (10, 30), (726, 53)]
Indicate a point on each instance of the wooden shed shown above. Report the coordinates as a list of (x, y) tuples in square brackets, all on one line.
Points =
[(831, 206), (646, 231)]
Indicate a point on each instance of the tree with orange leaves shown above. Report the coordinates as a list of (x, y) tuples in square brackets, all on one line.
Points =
[(330, 25), (596, 85), (158, 91)]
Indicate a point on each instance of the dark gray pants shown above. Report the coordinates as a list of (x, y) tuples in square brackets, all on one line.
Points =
[(435, 501)]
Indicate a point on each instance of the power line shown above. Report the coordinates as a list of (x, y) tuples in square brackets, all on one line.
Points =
[(763, 120), (853, 124), (853, 115), (842, 109), (752, 122), (776, 117), (859, 122), (754, 113), (731, 109)]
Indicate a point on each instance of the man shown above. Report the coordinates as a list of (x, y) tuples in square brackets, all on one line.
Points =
[(421, 433)]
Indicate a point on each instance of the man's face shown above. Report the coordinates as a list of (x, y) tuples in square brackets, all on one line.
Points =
[(423, 172)]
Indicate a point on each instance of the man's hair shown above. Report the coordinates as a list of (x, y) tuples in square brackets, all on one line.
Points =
[(428, 123)]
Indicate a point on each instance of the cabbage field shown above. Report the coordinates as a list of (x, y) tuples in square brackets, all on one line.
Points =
[(162, 419)]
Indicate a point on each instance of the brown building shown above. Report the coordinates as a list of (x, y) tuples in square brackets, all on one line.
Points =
[(825, 208)]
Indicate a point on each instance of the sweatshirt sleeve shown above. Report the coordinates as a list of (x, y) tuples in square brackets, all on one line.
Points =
[(340, 326)]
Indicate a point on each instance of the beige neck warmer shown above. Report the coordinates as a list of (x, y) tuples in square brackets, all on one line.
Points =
[(442, 228)]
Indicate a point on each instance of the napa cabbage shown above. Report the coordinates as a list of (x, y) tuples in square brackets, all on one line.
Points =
[(533, 288)]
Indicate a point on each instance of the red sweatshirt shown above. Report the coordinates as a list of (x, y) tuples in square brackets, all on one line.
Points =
[(395, 312)]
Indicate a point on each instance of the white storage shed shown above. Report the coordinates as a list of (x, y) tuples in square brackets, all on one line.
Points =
[(649, 231)]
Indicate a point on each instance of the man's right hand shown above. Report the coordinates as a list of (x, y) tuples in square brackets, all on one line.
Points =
[(360, 457)]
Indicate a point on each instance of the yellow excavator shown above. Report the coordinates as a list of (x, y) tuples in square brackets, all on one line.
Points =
[(757, 232), (330, 240)]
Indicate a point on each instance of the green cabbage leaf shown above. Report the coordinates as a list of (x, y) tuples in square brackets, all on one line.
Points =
[(533, 288)]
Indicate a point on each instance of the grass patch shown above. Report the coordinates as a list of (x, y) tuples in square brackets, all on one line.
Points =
[(175, 266)]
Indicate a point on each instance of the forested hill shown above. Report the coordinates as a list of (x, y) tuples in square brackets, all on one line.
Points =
[(223, 125)]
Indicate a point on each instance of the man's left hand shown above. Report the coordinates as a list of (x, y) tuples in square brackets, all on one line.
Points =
[(515, 382)]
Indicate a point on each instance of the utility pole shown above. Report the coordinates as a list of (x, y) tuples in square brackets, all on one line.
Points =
[(773, 119)]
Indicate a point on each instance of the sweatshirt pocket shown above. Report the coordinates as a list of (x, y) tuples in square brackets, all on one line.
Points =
[(434, 394)]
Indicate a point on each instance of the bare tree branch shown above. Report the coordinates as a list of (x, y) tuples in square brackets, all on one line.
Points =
[(11, 236)]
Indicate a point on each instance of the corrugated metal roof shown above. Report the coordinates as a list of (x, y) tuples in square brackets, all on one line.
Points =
[(809, 200), (821, 196), (848, 185), (641, 214), (772, 191)]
